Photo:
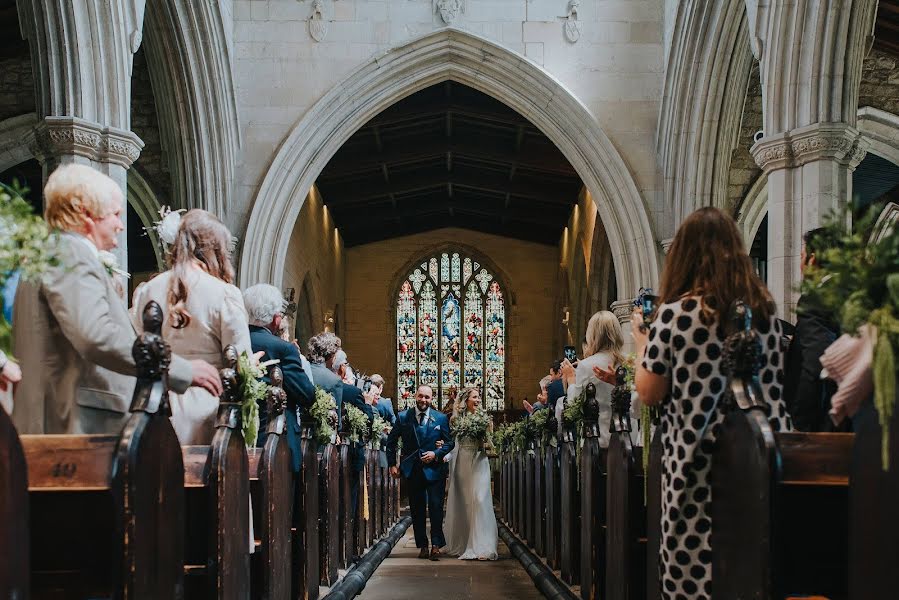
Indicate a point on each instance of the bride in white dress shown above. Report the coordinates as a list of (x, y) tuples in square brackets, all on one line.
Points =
[(470, 523)]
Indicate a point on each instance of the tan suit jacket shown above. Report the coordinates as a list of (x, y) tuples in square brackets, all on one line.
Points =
[(73, 338)]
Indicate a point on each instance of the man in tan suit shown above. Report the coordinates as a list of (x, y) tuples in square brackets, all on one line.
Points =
[(72, 331)]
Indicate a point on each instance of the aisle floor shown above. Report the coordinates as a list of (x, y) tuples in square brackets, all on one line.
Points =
[(403, 576)]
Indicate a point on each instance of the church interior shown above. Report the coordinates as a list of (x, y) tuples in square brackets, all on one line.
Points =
[(455, 189)]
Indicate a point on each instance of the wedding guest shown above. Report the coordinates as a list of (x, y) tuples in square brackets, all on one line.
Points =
[(808, 395), (324, 367), (383, 405), (679, 369), (555, 389), (602, 348), (264, 304), (203, 313), (72, 331)]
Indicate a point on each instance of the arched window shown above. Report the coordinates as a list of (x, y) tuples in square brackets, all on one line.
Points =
[(451, 331)]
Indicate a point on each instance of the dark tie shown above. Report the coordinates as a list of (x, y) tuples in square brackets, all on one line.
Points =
[(421, 419)]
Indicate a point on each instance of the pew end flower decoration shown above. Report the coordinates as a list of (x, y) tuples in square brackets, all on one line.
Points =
[(357, 423), (323, 413), (27, 247), (250, 373), (856, 278)]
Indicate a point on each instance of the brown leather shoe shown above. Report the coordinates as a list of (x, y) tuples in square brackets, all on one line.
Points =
[(423, 553), (435, 553)]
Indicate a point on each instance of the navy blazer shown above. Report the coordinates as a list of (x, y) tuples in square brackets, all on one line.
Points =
[(328, 380), (385, 409), (420, 439), (300, 391)]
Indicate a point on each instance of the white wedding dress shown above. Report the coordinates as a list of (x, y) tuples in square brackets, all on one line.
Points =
[(470, 523)]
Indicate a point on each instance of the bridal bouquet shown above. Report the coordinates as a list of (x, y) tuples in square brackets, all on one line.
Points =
[(473, 426), (26, 246), (357, 423), (321, 411)]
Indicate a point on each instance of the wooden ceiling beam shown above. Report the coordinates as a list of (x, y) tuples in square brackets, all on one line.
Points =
[(365, 192), (403, 115), (344, 165)]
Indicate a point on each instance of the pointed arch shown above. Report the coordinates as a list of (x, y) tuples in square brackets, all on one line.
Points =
[(450, 54)]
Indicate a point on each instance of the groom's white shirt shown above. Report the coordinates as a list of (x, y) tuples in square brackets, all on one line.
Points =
[(418, 413)]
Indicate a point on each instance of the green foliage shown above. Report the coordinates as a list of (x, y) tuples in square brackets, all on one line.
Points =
[(379, 427), (26, 245), (357, 423), (858, 282), (573, 415), (253, 391), (501, 437), (320, 411)]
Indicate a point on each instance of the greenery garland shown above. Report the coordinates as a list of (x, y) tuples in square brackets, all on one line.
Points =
[(573, 414), (253, 391), (856, 279), (378, 428), (357, 423), (538, 421), (320, 411), (26, 246)]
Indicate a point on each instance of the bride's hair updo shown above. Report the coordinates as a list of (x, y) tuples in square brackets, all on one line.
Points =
[(460, 406), (204, 241)]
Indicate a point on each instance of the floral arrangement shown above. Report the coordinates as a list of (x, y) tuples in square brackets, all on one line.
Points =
[(858, 281), (538, 423), (26, 246), (473, 426), (501, 437), (379, 427), (357, 423), (320, 411), (250, 374), (573, 414), (518, 436)]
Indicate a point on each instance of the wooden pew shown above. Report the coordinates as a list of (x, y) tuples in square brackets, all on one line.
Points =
[(540, 498), (570, 509), (654, 516), (14, 542), (329, 513), (779, 501), (530, 512), (625, 553), (345, 524), (106, 512), (216, 481), (552, 475), (873, 503), (592, 502), (304, 543), (271, 487)]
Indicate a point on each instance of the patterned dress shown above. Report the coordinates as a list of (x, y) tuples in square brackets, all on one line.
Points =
[(688, 352)]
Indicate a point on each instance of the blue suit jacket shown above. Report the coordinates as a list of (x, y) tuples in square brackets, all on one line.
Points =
[(420, 439), (385, 409), (300, 392)]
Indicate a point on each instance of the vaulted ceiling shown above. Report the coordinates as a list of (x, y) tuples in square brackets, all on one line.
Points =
[(449, 156), (886, 28)]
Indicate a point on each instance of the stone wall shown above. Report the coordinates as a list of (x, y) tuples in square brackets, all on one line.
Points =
[(531, 271), (615, 67), (152, 162), (316, 256), (743, 168), (16, 86), (880, 82)]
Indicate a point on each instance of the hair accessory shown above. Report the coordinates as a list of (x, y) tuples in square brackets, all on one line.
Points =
[(166, 228)]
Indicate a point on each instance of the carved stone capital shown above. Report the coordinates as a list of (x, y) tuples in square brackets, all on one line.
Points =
[(58, 136), (835, 142), (623, 309)]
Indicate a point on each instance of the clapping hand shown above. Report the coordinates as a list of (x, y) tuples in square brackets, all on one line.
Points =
[(604, 375), (11, 374), (568, 372)]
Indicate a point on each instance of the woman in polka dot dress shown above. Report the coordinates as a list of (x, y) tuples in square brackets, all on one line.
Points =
[(706, 270)]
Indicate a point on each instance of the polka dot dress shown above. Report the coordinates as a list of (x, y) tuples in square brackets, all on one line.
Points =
[(688, 352)]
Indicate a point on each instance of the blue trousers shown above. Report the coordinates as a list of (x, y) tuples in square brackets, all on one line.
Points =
[(426, 500)]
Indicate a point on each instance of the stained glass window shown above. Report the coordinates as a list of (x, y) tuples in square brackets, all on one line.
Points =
[(451, 331)]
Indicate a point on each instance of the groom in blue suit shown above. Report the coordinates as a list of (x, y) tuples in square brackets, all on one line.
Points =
[(421, 463)]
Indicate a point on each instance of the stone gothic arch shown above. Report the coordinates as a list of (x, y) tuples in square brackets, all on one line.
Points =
[(450, 54)]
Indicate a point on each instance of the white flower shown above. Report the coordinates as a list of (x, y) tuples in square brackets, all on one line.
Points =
[(167, 228), (111, 263)]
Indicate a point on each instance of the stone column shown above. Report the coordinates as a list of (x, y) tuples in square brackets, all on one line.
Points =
[(623, 309), (809, 173), (81, 54), (810, 54)]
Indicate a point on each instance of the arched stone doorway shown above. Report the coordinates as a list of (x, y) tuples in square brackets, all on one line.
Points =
[(450, 54)]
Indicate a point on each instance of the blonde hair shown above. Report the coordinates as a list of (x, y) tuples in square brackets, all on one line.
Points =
[(202, 238), (604, 335), (460, 406), (74, 192)]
